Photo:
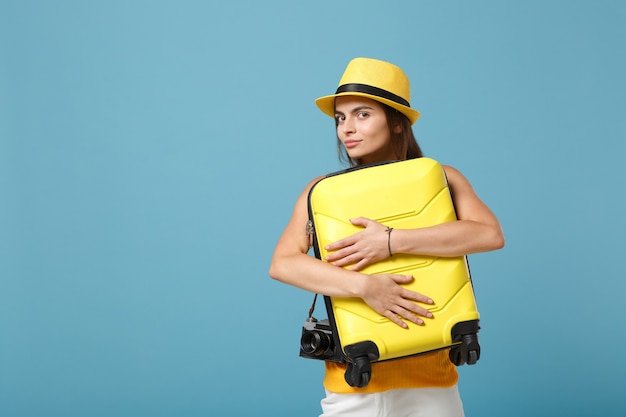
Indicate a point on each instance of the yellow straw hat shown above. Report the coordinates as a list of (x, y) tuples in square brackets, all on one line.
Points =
[(375, 79)]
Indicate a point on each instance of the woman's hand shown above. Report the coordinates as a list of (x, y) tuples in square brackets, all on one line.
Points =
[(387, 297), (362, 248)]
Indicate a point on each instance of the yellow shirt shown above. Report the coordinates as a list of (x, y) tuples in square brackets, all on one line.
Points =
[(431, 370)]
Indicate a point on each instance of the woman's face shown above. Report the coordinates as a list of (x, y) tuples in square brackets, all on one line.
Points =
[(362, 129)]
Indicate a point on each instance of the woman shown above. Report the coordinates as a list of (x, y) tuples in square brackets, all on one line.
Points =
[(373, 118)]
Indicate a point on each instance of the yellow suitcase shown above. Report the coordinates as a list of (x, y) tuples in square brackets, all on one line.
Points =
[(402, 195)]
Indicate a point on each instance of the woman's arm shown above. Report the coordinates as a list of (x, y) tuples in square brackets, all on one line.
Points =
[(292, 265), (477, 230)]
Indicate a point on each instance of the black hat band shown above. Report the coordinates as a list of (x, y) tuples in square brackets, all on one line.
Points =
[(374, 91)]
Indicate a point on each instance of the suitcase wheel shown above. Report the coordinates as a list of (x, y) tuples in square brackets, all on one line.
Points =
[(466, 349), (359, 369), (455, 356), (359, 372), (472, 357), (467, 352)]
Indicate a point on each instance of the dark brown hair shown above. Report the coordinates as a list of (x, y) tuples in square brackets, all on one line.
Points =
[(403, 140)]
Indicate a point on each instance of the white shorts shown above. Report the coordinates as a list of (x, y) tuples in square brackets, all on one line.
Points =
[(412, 402)]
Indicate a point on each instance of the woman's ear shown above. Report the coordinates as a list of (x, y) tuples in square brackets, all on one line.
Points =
[(397, 128)]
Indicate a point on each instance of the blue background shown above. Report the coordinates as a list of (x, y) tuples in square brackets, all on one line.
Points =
[(151, 153)]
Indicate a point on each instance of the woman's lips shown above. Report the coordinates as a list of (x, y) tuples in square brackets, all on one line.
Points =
[(351, 143)]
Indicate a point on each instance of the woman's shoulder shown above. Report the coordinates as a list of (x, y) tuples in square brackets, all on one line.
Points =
[(307, 189), (455, 177), (314, 181), (451, 171)]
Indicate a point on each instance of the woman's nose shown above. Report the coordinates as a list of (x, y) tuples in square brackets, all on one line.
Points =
[(348, 125)]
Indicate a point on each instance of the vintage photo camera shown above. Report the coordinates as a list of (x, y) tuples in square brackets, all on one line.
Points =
[(317, 341)]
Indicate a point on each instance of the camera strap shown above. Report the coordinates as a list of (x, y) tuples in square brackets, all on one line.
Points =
[(312, 306)]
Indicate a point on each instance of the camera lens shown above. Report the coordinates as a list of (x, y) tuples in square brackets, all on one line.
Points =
[(315, 342)]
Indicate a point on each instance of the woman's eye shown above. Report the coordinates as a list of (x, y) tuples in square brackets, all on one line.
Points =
[(363, 114), (340, 118)]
